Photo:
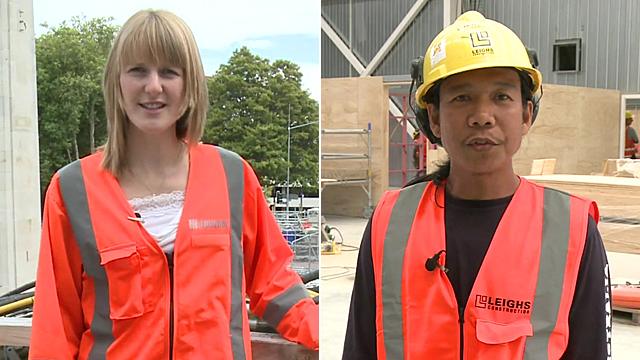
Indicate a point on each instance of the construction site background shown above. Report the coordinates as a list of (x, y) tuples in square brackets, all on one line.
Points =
[(579, 127)]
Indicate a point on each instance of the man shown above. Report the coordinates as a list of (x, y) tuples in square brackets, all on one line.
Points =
[(474, 262), (630, 137)]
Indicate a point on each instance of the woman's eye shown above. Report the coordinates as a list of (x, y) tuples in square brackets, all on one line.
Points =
[(503, 97), (170, 72), (461, 98), (137, 70)]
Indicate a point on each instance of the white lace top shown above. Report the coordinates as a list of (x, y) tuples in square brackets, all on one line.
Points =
[(161, 214)]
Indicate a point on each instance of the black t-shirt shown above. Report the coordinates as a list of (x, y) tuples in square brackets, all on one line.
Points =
[(466, 246)]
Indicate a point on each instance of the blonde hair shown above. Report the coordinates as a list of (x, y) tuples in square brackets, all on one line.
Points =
[(160, 37)]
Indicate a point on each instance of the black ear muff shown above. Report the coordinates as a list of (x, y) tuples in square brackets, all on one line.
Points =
[(536, 108), (422, 116), (533, 59)]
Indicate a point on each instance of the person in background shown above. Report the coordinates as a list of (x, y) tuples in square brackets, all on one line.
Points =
[(473, 261), (151, 245), (630, 137)]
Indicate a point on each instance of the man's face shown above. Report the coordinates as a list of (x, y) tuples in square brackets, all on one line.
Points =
[(481, 120)]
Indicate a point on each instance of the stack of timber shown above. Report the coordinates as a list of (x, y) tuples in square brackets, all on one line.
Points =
[(618, 200)]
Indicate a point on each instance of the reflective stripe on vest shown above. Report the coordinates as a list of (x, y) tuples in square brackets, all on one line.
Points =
[(396, 239), (554, 249), (77, 207), (75, 199), (234, 169), (553, 258)]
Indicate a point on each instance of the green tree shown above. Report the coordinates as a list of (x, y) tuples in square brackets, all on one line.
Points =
[(70, 59), (251, 101)]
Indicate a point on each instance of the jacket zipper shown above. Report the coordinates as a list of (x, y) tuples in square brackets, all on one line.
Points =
[(461, 326), (170, 263)]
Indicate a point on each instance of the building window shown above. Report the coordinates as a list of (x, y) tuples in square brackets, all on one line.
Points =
[(566, 55)]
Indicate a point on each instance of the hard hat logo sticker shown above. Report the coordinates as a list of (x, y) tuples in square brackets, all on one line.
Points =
[(438, 53), (480, 39), (481, 43)]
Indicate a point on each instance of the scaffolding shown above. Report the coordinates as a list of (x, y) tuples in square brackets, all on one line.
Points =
[(417, 146), (363, 182)]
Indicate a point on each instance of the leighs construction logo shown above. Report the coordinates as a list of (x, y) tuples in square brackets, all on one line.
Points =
[(480, 43), (502, 304)]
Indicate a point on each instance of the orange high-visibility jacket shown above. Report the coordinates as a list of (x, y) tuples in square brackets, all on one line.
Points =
[(519, 305), (104, 288)]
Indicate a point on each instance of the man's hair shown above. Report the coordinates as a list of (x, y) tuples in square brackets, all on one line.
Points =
[(157, 37)]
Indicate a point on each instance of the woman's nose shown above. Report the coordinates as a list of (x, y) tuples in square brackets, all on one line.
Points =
[(154, 84)]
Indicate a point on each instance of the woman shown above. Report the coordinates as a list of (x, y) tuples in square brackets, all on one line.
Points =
[(150, 246)]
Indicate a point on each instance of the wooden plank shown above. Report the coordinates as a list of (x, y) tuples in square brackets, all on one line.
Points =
[(17, 332), (273, 347), (617, 198)]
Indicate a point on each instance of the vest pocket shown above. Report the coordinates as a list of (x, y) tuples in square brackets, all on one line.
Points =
[(124, 274), (219, 241), (502, 341)]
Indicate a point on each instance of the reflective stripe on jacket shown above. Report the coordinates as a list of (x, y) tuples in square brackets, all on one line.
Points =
[(520, 301), (104, 285)]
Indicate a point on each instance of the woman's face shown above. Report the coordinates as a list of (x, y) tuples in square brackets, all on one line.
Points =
[(153, 96)]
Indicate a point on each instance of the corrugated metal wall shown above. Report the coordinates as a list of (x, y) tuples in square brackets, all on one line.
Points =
[(609, 30), (414, 41), (372, 21)]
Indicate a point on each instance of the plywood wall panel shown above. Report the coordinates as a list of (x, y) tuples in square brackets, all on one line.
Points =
[(580, 127), (352, 103)]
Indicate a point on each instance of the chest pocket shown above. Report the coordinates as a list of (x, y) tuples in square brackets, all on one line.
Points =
[(502, 341), (124, 274), (216, 241)]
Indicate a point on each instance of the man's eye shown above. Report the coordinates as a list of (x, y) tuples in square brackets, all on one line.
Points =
[(503, 97), (461, 98)]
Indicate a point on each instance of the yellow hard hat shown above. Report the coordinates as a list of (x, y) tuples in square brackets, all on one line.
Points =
[(473, 42), (628, 115)]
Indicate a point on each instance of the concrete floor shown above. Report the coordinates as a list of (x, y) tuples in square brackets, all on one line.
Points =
[(336, 281)]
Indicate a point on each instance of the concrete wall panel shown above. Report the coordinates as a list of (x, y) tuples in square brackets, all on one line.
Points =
[(19, 170)]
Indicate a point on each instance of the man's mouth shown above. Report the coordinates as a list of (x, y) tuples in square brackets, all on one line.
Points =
[(481, 141)]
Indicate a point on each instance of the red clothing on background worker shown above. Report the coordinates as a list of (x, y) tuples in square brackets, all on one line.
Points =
[(114, 284), (631, 141)]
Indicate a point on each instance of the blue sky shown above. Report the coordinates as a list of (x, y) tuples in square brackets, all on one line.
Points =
[(278, 29)]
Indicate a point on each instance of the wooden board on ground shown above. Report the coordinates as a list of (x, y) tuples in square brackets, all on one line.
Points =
[(17, 332), (635, 313), (617, 198)]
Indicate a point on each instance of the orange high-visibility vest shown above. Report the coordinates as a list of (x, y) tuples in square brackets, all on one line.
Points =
[(519, 305), (104, 287)]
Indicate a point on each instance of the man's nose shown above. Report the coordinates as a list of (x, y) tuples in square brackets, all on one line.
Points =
[(482, 114)]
